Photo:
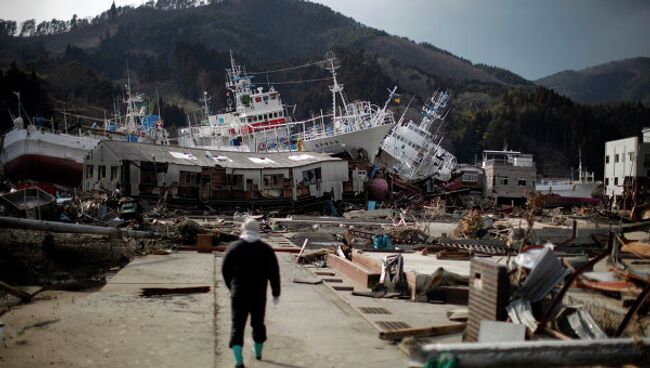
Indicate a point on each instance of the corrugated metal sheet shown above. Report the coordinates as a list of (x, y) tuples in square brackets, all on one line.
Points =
[(201, 157)]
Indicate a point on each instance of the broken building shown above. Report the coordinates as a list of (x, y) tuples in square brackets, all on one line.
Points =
[(151, 170), (509, 175), (627, 164)]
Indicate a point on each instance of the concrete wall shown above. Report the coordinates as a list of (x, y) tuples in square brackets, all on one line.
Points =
[(493, 189), (624, 158)]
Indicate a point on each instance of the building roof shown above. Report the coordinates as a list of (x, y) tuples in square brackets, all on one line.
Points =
[(205, 158)]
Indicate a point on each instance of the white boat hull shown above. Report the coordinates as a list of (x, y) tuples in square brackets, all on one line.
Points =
[(368, 140), (44, 156)]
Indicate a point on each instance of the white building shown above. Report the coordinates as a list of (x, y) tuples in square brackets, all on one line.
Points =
[(626, 160)]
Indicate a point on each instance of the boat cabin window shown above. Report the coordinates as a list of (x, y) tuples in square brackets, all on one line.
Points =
[(470, 177), (615, 181), (522, 182), (502, 180), (101, 170), (616, 157), (631, 156), (607, 159), (250, 119), (258, 99), (606, 181)]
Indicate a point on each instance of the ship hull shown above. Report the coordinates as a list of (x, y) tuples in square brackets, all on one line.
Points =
[(30, 154), (368, 140), (568, 193)]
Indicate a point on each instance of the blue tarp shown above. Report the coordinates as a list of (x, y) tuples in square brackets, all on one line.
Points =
[(149, 122)]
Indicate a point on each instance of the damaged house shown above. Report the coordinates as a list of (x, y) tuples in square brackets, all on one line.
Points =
[(146, 170), (509, 175)]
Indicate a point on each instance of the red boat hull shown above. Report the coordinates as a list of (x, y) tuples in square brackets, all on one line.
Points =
[(46, 169)]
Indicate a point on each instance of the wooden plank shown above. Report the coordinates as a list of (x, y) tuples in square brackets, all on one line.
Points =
[(343, 288), (25, 297), (149, 292), (422, 331), (371, 264), (357, 273)]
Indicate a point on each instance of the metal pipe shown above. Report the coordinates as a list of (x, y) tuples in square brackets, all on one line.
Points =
[(62, 227), (539, 353)]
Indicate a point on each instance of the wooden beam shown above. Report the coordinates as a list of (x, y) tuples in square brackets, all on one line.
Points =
[(422, 331)]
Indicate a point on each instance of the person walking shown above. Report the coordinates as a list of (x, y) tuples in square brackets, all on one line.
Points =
[(249, 265)]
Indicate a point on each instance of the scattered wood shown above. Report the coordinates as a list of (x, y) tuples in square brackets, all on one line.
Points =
[(22, 295), (150, 292), (332, 280), (313, 256), (422, 331), (343, 288), (308, 280), (325, 273)]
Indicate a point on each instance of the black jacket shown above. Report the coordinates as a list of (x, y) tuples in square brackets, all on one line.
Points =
[(247, 268)]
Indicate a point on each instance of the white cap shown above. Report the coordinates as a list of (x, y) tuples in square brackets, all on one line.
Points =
[(250, 225)]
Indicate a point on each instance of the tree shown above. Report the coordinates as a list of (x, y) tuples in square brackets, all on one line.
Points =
[(7, 27), (27, 28), (112, 13)]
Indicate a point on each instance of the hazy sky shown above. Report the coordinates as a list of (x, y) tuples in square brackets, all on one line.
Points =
[(531, 37)]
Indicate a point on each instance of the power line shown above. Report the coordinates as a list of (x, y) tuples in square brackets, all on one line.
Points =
[(287, 69), (297, 82)]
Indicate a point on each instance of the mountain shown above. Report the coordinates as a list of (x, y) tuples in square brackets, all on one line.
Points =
[(624, 80), (175, 51)]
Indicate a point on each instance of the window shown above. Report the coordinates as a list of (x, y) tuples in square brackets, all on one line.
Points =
[(606, 181), (311, 176), (114, 170), (258, 99), (522, 182), (502, 180), (616, 157), (607, 159), (615, 181), (89, 171), (630, 155), (101, 170), (190, 179), (235, 181), (273, 181), (470, 177)]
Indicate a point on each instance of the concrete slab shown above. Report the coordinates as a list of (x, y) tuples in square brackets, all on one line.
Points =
[(309, 328), (115, 326)]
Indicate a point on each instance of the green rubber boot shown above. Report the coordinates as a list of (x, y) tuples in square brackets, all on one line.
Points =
[(239, 356), (257, 349)]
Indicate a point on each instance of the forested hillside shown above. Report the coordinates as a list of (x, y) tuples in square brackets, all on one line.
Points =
[(176, 49)]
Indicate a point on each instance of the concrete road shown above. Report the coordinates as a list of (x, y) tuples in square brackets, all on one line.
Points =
[(115, 326), (311, 327)]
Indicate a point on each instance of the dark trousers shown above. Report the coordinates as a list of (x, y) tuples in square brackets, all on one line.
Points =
[(241, 307)]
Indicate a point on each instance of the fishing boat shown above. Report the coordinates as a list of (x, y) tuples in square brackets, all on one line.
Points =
[(35, 150), (414, 149), (259, 122), (584, 190)]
